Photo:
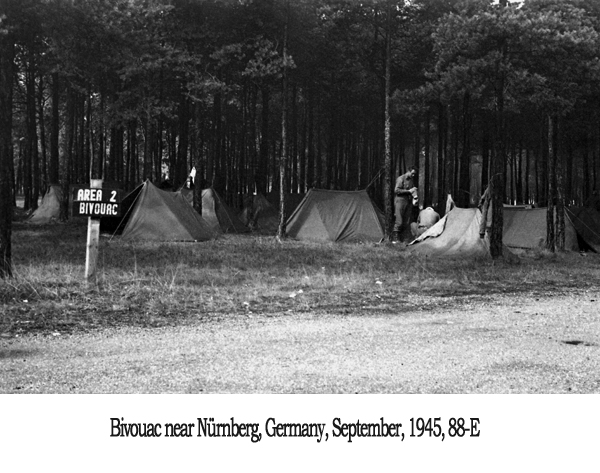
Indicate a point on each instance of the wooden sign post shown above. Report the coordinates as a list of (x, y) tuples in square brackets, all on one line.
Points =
[(95, 202), (93, 235)]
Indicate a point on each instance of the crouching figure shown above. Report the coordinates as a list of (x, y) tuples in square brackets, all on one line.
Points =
[(427, 219)]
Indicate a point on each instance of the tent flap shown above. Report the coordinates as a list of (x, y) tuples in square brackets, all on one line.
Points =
[(455, 235)]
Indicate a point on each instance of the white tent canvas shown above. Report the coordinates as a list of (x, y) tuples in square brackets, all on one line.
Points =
[(49, 209)]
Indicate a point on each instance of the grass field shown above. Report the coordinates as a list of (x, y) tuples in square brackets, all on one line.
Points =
[(248, 314)]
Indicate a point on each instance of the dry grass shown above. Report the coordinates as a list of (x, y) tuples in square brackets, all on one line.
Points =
[(156, 284)]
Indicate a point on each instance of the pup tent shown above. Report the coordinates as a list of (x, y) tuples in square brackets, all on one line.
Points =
[(526, 229), (586, 221), (292, 201), (259, 214), (49, 209), (456, 234), (328, 215), (216, 212), (158, 215)]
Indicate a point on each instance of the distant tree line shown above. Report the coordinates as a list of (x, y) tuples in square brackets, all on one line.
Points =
[(472, 92)]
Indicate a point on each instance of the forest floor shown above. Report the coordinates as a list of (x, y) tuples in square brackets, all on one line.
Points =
[(244, 314)]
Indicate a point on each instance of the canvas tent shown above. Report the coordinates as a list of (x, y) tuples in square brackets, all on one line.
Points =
[(115, 225), (292, 200), (260, 214), (328, 215), (216, 212), (163, 216), (586, 221), (455, 235), (49, 209), (526, 229)]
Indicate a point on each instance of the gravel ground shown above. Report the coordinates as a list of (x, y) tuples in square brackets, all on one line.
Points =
[(508, 345)]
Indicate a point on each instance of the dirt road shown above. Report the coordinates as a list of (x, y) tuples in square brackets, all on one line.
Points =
[(506, 345)]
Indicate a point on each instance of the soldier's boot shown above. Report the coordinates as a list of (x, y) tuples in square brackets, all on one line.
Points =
[(395, 237)]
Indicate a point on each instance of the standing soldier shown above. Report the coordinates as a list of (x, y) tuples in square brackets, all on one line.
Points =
[(404, 190)]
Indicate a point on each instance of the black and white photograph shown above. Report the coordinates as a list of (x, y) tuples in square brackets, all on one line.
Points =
[(368, 230)]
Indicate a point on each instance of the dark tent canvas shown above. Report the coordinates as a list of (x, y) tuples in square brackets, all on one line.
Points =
[(292, 201), (526, 229), (327, 215), (49, 209), (586, 221), (260, 214), (216, 212), (455, 235), (115, 225), (164, 216)]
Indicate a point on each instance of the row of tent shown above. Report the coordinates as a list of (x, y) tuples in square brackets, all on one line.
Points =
[(150, 213), (324, 215), (155, 214)]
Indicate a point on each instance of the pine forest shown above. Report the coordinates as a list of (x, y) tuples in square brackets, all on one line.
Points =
[(279, 96)]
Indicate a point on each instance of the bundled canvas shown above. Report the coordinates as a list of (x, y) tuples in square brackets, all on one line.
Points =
[(340, 216), (216, 212), (159, 215), (455, 235)]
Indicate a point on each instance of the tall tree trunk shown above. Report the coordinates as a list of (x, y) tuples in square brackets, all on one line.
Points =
[(426, 163), (464, 188), (28, 140), (519, 178), (253, 151), (197, 147), (318, 152), (387, 179), (32, 138), (485, 154), (441, 155), (417, 147), (263, 158), (54, 131), (89, 136), (294, 164), (570, 165), (310, 158), (586, 166), (455, 133), (148, 145), (42, 125), (283, 161), (132, 158), (498, 165), (66, 173), (7, 53), (302, 149), (181, 168), (526, 190), (560, 186), (550, 236), (101, 141)]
